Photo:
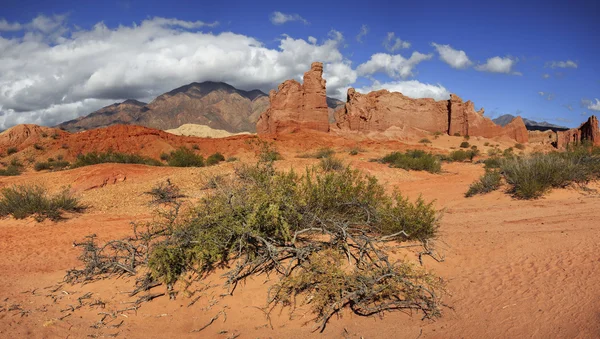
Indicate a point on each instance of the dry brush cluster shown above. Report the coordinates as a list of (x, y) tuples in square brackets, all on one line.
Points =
[(325, 236)]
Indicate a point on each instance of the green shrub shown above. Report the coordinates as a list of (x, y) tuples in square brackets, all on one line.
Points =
[(464, 144), (492, 152), (508, 152), (520, 146), (51, 165), (457, 134), (165, 193), (488, 182), (413, 160), (467, 137), (25, 200), (11, 150), (486, 143), (214, 159), (10, 170), (184, 157), (491, 163), (94, 158), (164, 157), (38, 147), (323, 235), (425, 141), (331, 164), (195, 147), (232, 159), (462, 155)]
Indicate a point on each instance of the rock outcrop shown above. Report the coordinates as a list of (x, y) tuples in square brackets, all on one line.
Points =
[(587, 132), (297, 106), (380, 110)]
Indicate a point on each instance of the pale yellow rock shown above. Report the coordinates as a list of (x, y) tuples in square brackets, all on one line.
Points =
[(202, 131)]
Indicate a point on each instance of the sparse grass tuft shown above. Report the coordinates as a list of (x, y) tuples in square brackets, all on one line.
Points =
[(331, 164), (26, 200), (164, 193)]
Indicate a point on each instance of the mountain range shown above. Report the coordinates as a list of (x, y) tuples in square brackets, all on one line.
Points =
[(531, 125), (214, 104)]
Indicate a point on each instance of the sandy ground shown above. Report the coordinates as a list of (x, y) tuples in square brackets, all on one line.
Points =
[(515, 269)]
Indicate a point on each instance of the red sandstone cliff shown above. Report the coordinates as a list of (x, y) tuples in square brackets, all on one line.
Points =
[(377, 111), (295, 106), (588, 131)]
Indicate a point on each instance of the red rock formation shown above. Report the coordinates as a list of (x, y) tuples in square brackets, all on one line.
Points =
[(380, 110), (377, 111), (588, 131), (295, 106)]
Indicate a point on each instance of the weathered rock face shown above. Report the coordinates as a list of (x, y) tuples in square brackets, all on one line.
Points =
[(547, 137), (380, 110), (587, 132), (295, 106)]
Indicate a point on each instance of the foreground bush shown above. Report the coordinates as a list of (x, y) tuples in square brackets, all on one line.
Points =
[(94, 158), (214, 159), (461, 155), (25, 200), (490, 181), (416, 160), (324, 236)]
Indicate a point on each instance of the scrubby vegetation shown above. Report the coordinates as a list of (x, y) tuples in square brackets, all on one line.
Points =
[(27, 200), (416, 160), (490, 181), (11, 150), (319, 154), (331, 164), (519, 146), (324, 237), (51, 164), (185, 157), (531, 176), (425, 141), (15, 167), (214, 159), (465, 144), (94, 158), (461, 155)]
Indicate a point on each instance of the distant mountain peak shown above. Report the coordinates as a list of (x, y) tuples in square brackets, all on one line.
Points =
[(531, 125)]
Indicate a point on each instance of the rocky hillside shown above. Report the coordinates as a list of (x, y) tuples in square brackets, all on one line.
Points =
[(531, 125), (213, 104)]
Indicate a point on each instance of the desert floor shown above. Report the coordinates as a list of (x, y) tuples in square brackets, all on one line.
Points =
[(515, 269)]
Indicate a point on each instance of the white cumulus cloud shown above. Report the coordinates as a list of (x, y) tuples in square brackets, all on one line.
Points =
[(278, 18), (392, 43), (455, 58), (48, 80), (395, 66), (411, 88), (7, 26), (591, 105), (499, 65), (562, 64)]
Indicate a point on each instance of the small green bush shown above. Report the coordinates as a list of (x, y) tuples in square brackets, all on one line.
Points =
[(184, 157), (195, 147), (425, 141), (10, 171), (26, 200), (38, 147), (11, 150), (94, 158), (462, 155), (490, 181), (464, 144), (416, 160), (486, 143), (492, 152), (164, 156), (232, 159), (491, 163), (331, 164), (467, 137), (457, 134), (51, 164), (519, 146), (214, 159)]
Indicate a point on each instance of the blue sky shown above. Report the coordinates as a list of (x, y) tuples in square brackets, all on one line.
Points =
[(62, 60)]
